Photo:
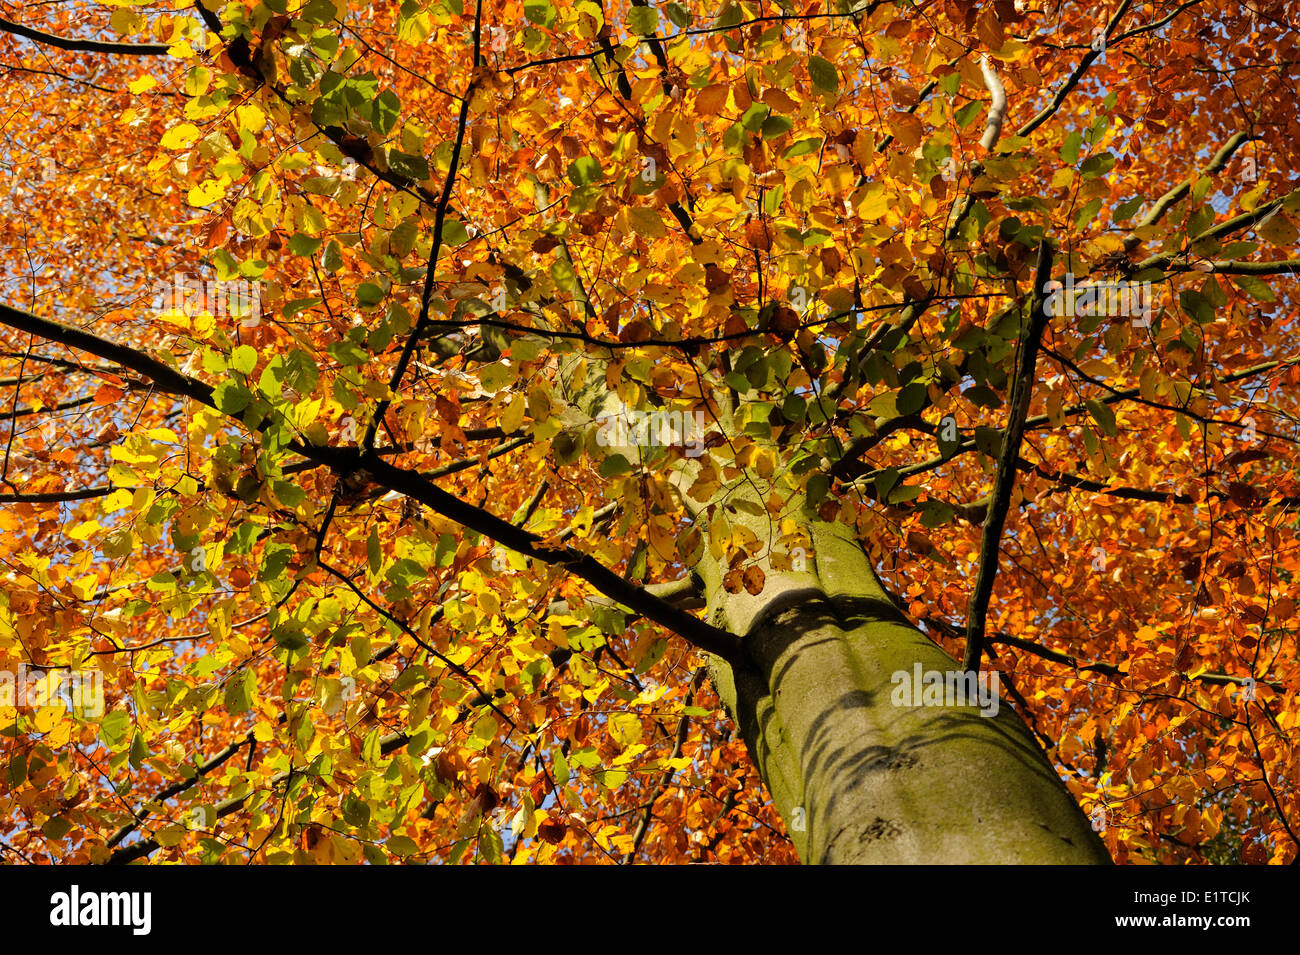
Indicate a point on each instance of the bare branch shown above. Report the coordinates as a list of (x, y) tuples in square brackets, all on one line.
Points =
[(1006, 474), (83, 46)]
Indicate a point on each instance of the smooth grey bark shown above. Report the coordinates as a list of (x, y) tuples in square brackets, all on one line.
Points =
[(857, 778)]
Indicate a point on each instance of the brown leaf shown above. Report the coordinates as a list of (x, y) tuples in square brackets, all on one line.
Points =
[(1242, 494), (753, 579), (487, 798), (918, 543), (1245, 455), (757, 236), (715, 278), (108, 395), (552, 831), (785, 322), (636, 330)]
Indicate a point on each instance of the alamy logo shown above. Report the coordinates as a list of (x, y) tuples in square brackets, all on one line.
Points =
[(1114, 299), (946, 688), (74, 908), (78, 690), (658, 429), (238, 299)]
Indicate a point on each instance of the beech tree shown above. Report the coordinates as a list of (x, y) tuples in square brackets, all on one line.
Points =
[(649, 432)]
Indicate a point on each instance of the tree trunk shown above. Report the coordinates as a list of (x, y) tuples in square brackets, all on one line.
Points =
[(857, 778)]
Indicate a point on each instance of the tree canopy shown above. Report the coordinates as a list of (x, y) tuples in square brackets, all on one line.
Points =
[(393, 394)]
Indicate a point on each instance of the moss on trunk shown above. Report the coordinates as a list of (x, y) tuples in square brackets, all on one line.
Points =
[(858, 778)]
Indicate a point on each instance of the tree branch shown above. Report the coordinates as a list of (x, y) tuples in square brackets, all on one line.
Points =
[(83, 46), (353, 461), (1006, 473)]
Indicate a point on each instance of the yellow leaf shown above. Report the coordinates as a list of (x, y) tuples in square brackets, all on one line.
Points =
[(513, 414), (250, 117), (143, 83), (1278, 229), (46, 717), (169, 835), (206, 193), (625, 727), (874, 202), (180, 136), (83, 530), (645, 222)]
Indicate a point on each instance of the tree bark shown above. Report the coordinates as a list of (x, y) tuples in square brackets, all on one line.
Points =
[(857, 778)]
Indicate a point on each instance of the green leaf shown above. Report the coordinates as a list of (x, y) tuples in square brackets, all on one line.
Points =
[(1096, 166), (753, 117), (291, 309), (1195, 306), (905, 493), (989, 441), (559, 767), (885, 482), (113, 727), (241, 542), (794, 409), (678, 14), (613, 466), (275, 559), (231, 397), (454, 232), (775, 126), (936, 514), (1087, 214), (402, 239), (982, 395), (912, 398), (823, 74), (385, 110), (772, 197), (304, 245), (408, 166), (405, 846), (139, 750), (585, 170), (332, 260), (290, 638), (1126, 210), (540, 12), (443, 555), (1254, 287), (802, 148), (317, 11), (485, 727), (290, 495), (17, 770), (643, 20), (405, 572), (356, 811), (1103, 415), (966, 115), (730, 15), (244, 359), (369, 294)]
